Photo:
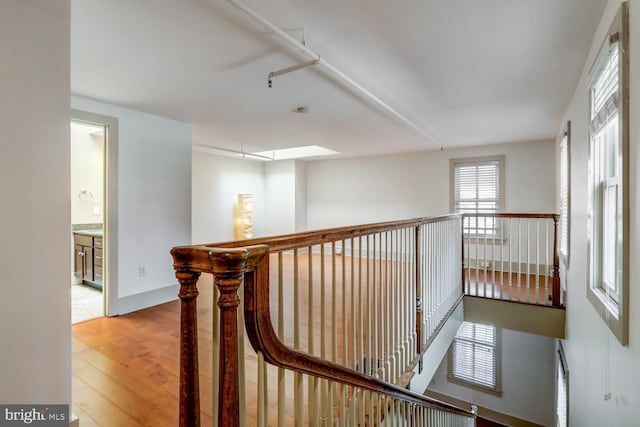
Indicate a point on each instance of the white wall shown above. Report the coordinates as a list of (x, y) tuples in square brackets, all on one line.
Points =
[(35, 307), (216, 183), (391, 187), (590, 347), (154, 203), (301, 195), (280, 197), (87, 172), (527, 380)]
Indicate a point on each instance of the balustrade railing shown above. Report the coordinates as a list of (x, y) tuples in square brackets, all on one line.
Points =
[(512, 257), (336, 320)]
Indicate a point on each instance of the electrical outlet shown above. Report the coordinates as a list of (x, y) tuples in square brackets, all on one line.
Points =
[(142, 271)]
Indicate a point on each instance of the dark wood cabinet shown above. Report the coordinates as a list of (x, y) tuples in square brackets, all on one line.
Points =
[(97, 260), (88, 259)]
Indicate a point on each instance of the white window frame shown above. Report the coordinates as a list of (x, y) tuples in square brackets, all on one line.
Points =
[(564, 231), (608, 246), (465, 343), (479, 227)]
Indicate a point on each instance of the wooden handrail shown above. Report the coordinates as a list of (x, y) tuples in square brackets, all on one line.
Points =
[(305, 239), (512, 215), (264, 339)]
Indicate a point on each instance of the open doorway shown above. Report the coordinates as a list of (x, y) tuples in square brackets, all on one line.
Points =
[(88, 146), (93, 174)]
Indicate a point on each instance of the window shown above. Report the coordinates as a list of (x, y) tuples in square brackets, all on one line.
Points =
[(565, 198), (608, 178), (474, 357), (477, 187)]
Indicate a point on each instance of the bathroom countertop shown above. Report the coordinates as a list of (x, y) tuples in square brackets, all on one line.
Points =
[(92, 233)]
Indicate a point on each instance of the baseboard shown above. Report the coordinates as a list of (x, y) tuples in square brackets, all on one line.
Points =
[(146, 299), (486, 413), (74, 421)]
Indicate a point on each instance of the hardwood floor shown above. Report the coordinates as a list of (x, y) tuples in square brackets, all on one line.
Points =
[(125, 369), (515, 287)]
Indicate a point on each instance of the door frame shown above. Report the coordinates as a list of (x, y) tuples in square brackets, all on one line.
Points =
[(110, 203)]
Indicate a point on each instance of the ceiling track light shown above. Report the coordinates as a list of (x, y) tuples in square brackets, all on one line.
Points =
[(291, 69), (335, 71), (241, 152)]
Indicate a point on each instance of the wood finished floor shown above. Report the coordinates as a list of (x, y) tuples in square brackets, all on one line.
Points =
[(519, 287), (126, 368)]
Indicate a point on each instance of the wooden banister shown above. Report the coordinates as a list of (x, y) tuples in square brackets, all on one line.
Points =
[(555, 298), (490, 240), (305, 239), (228, 267), (247, 261), (513, 215), (264, 339)]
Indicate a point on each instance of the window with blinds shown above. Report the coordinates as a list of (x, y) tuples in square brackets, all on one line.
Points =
[(606, 175), (473, 357), (478, 188), (565, 187), (608, 179)]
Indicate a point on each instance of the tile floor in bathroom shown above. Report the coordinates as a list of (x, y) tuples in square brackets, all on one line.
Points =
[(86, 303)]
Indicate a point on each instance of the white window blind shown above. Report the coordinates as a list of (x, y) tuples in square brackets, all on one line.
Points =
[(473, 355), (564, 197), (477, 189), (606, 175), (605, 87), (477, 186), (609, 164)]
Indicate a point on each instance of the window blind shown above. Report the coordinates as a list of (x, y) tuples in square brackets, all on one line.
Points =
[(606, 172), (477, 187), (605, 86), (473, 355), (564, 196)]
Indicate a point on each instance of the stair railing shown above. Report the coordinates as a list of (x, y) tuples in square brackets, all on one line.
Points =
[(512, 256), (338, 319)]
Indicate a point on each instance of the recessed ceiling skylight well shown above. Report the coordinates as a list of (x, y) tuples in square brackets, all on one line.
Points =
[(297, 152)]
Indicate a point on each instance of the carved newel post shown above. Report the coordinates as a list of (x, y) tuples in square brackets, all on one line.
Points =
[(228, 272), (189, 385)]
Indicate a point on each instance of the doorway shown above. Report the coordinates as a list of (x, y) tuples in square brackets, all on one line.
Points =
[(93, 175), (87, 220)]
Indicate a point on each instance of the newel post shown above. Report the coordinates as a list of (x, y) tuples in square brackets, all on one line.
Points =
[(189, 385), (555, 297), (228, 274)]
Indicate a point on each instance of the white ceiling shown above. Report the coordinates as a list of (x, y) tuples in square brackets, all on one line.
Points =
[(469, 71)]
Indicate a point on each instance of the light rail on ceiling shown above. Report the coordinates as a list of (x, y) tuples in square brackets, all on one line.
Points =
[(316, 59)]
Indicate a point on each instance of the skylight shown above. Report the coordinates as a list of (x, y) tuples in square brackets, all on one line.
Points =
[(297, 152)]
